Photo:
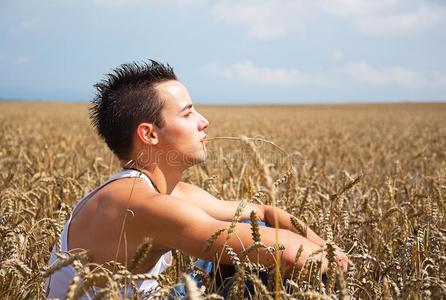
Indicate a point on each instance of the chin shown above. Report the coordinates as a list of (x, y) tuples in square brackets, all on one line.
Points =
[(196, 160), (199, 160)]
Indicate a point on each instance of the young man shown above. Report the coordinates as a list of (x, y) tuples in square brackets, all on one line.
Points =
[(147, 118)]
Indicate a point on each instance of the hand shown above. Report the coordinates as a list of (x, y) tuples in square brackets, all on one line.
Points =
[(342, 261)]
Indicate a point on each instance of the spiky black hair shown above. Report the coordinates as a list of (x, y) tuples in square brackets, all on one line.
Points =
[(126, 98)]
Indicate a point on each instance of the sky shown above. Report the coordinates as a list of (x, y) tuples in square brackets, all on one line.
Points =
[(230, 52)]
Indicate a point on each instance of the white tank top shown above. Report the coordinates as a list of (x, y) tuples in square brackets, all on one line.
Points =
[(57, 284)]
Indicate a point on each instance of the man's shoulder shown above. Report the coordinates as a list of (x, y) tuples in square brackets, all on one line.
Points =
[(184, 189), (120, 191), (184, 186)]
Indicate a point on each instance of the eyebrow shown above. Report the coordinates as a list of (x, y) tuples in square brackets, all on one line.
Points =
[(188, 106)]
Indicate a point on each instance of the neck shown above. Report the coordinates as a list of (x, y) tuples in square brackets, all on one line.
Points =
[(164, 177)]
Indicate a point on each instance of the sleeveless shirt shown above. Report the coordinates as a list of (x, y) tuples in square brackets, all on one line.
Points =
[(57, 284)]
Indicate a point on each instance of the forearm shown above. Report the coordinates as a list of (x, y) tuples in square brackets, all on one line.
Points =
[(284, 222), (270, 215), (241, 240)]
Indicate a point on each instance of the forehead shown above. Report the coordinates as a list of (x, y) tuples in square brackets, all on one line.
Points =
[(174, 94)]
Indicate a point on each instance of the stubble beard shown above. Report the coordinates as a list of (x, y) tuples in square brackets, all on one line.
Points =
[(198, 158)]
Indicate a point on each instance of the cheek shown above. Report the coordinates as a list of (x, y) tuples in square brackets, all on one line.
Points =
[(175, 134)]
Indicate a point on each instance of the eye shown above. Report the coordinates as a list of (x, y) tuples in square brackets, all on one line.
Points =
[(188, 114)]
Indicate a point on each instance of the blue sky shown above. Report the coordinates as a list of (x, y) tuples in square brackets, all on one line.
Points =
[(227, 51)]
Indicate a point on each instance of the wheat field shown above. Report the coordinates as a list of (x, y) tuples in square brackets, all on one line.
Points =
[(369, 178)]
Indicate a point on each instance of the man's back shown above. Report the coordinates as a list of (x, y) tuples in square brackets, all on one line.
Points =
[(98, 225), (92, 228)]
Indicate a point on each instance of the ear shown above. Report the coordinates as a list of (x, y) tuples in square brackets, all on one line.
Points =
[(146, 133)]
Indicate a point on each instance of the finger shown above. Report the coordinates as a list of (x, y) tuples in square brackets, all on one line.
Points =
[(343, 262)]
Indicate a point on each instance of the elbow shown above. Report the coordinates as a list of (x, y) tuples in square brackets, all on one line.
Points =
[(291, 258), (296, 256), (288, 258), (268, 215)]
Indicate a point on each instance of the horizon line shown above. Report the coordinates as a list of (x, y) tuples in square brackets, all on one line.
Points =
[(244, 103)]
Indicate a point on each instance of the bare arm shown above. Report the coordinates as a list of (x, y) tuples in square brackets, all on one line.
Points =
[(284, 221), (225, 210), (174, 223), (216, 208)]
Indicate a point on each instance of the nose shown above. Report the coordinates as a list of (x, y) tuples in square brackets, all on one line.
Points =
[(203, 123)]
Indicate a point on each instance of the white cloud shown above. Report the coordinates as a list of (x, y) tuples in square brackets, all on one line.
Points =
[(367, 74), (351, 74), (387, 16), (181, 2), (357, 7), (25, 25), (273, 19), (23, 59), (28, 24), (337, 56), (439, 79), (116, 3), (250, 73), (263, 19), (147, 3)]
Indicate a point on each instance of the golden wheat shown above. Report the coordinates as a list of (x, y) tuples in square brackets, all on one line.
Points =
[(368, 178)]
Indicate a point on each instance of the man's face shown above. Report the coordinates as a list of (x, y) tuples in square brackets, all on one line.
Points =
[(181, 137)]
